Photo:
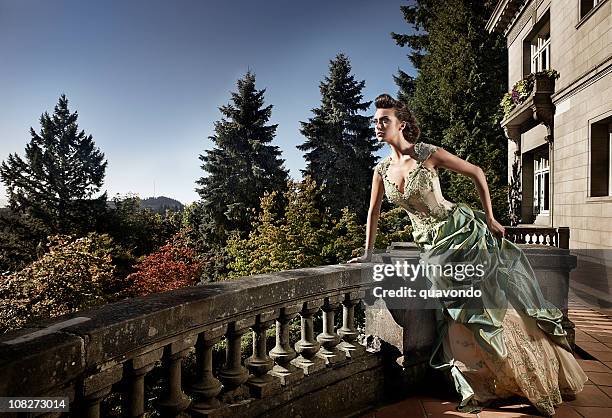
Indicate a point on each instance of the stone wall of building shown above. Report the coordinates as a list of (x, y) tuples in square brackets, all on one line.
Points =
[(582, 53), (589, 219), (523, 25), (578, 47), (581, 50)]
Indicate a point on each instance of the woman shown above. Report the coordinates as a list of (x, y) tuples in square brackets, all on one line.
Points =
[(509, 343)]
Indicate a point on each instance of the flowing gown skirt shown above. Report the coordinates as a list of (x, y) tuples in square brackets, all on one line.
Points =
[(508, 342)]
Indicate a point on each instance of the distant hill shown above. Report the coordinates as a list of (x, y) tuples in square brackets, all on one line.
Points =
[(161, 203), (156, 204)]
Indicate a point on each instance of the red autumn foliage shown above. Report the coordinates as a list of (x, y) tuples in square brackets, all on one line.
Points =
[(174, 265)]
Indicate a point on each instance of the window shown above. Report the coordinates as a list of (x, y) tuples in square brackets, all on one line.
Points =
[(541, 180), (540, 50), (536, 47), (587, 5), (601, 158)]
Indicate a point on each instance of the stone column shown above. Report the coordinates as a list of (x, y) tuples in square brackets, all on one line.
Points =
[(135, 371), (282, 353), (563, 237), (173, 400), (234, 374), (348, 332), (552, 267), (328, 338), (307, 347), (403, 332), (94, 388), (91, 403), (207, 387), (261, 383), (551, 175)]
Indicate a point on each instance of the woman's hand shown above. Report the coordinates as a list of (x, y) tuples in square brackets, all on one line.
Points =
[(495, 227), (366, 258)]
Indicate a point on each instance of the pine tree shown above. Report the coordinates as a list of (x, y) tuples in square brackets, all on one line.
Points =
[(243, 165), (420, 17), (61, 173), (461, 78), (340, 143)]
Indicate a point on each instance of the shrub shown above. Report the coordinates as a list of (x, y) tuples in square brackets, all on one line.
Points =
[(71, 276), (173, 266)]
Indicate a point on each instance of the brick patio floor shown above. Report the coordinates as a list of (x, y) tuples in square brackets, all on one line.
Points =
[(594, 352)]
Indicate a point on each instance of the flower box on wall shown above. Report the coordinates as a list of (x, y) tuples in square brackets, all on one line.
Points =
[(543, 81), (529, 103)]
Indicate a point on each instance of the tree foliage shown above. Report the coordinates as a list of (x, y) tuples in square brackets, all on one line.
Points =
[(174, 265), (461, 77), (73, 274), (340, 142), (305, 236), (139, 230), (22, 237), (200, 227), (282, 243), (243, 165), (61, 173), (393, 226)]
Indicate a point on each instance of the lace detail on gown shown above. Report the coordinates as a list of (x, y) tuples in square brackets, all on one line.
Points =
[(534, 368), (422, 197)]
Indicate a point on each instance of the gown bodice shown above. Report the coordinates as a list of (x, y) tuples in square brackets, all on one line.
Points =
[(422, 197)]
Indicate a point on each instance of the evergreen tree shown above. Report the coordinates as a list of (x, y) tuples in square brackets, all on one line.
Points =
[(420, 17), (61, 173), (243, 165), (340, 143), (461, 78), (406, 86)]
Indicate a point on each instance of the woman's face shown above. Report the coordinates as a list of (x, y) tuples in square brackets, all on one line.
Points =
[(386, 125)]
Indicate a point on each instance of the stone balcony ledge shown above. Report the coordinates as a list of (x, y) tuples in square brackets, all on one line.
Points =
[(537, 108)]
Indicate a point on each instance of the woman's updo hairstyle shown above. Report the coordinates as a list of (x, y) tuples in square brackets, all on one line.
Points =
[(411, 131)]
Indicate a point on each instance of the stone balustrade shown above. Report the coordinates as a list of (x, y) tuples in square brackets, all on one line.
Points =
[(554, 237), (111, 348)]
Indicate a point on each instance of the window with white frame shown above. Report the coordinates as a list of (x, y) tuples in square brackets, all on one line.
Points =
[(601, 158), (540, 50), (587, 5), (541, 180)]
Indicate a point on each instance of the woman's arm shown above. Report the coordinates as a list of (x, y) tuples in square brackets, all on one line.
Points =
[(444, 159), (376, 196)]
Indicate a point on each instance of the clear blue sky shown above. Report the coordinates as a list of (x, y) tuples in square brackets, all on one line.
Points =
[(147, 77)]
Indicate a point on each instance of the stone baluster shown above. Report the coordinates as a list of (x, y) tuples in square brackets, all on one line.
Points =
[(307, 347), (173, 400), (207, 387), (135, 371), (233, 374), (261, 383), (348, 332), (283, 353), (328, 338), (91, 403), (94, 388)]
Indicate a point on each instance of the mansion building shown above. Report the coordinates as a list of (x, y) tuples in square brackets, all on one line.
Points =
[(558, 116)]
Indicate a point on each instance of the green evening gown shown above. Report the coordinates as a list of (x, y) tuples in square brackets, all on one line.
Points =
[(510, 343)]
